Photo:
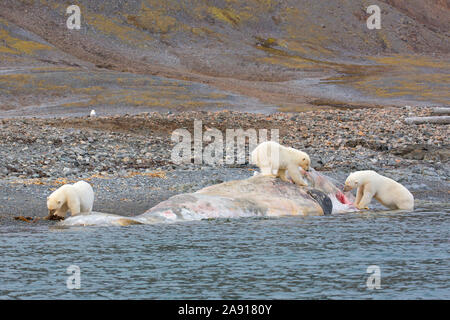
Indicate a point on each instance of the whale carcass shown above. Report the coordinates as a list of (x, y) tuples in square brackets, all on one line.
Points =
[(260, 195)]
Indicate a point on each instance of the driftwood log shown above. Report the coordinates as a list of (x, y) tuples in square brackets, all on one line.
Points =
[(421, 120), (441, 111)]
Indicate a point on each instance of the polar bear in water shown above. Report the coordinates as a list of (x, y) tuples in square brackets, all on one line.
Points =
[(270, 156), (78, 198), (388, 192)]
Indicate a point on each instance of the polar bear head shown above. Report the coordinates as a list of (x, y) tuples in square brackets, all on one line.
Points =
[(54, 202), (305, 162), (359, 178)]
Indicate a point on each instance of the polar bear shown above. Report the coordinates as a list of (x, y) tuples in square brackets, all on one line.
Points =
[(270, 156), (76, 198), (388, 192)]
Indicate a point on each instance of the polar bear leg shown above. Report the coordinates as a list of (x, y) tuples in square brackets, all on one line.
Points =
[(74, 205), (85, 194), (359, 194), (405, 205), (295, 175), (368, 194), (282, 175)]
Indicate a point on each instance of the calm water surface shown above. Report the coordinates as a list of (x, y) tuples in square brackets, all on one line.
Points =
[(248, 258)]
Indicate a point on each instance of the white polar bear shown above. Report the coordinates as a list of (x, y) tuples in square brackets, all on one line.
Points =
[(388, 192), (272, 157), (76, 198)]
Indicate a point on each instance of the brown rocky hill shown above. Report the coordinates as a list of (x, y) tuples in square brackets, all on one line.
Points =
[(434, 14), (287, 54)]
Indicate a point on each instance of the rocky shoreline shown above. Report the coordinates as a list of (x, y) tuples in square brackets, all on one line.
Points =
[(128, 158)]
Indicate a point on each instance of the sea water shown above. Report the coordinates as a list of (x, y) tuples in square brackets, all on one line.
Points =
[(318, 257)]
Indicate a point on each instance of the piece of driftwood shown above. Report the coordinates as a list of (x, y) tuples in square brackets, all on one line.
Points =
[(421, 120), (439, 111), (22, 218)]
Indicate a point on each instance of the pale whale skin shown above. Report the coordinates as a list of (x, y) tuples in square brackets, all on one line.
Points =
[(260, 195)]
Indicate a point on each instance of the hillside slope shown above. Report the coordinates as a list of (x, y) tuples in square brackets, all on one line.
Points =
[(288, 54)]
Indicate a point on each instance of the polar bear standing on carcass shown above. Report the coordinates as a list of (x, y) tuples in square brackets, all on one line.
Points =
[(388, 192), (272, 157)]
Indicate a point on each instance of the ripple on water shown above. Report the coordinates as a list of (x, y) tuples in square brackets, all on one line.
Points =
[(248, 258)]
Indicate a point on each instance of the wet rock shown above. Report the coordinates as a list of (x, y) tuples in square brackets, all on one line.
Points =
[(423, 152), (66, 171)]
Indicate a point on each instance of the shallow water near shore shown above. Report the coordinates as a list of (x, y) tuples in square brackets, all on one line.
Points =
[(247, 258)]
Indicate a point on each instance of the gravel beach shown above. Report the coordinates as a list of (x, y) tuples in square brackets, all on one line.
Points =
[(127, 159)]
